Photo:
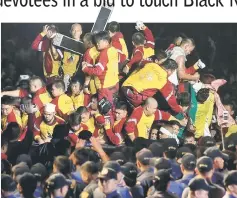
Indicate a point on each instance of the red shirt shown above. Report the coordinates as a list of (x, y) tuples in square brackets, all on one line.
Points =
[(118, 43), (138, 52), (115, 133)]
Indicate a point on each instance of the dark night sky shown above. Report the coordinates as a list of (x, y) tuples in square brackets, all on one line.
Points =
[(225, 36)]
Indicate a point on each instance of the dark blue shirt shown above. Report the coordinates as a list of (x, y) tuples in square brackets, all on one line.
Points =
[(124, 191), (229, 196), (77, 176), (137, 191), (113, 195), (38, 192), (176, 171), (186, 178), (14, 195), (176, 188), (218, 178)]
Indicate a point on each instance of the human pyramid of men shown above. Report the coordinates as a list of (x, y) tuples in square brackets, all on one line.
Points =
[(95, 127)]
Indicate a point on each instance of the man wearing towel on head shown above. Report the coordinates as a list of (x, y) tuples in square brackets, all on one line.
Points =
[(44, 125)]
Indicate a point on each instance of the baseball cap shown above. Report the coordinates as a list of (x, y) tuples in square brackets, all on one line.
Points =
[(157, 149), (7, 183), (28, 181), (170, 144), (189, 161), (144, 156), (182, 151), (162, 163), (107, 174), (231, 178), (20, 169), (130, 171), (204, 164), (207, 141), (214, 152), (113, 165), (199, 184), (57, 181), (163, 176), (24, 158), (39, 170), (118, 157)]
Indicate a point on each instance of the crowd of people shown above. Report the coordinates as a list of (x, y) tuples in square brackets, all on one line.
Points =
[(114, 123)]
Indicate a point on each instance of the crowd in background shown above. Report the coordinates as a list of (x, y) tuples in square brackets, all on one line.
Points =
[(152, 121)]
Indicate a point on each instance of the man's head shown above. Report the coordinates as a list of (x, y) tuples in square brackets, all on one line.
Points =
[(94, 102), (230, 182), (8, 185), (116, 167), (162, 179), (57, 185), (27, 184), (143, 158), (12, 132), (120, 111), (62, 165), (108, 180), (150, 106), (58, 88), (204, 167), (181, 152), (39, 171), (176, 126), (130, 172), (74, 120), (7, 105), (76, 31), (188, 163), (203, 95), (81, 156), (35, 84), (102, 40), (113, 28), (165, 131), (52, 30), (230, 108), (76, 86), (49, 112), (169, 66), (188, 45), (89, 171), (190, 139), (160, 56), (161, 163), (217, 156), (85, 114), (88, 40), (184, 100), (199, 188), (138, 39)]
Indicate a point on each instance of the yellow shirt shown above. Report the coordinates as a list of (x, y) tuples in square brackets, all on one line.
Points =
[(144, 125), (44, 130), (78, 100), (204, 115), (70, 62), (151, 76), (64, 105)]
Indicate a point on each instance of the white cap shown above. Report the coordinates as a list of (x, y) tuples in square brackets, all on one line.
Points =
[(49, 108)]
